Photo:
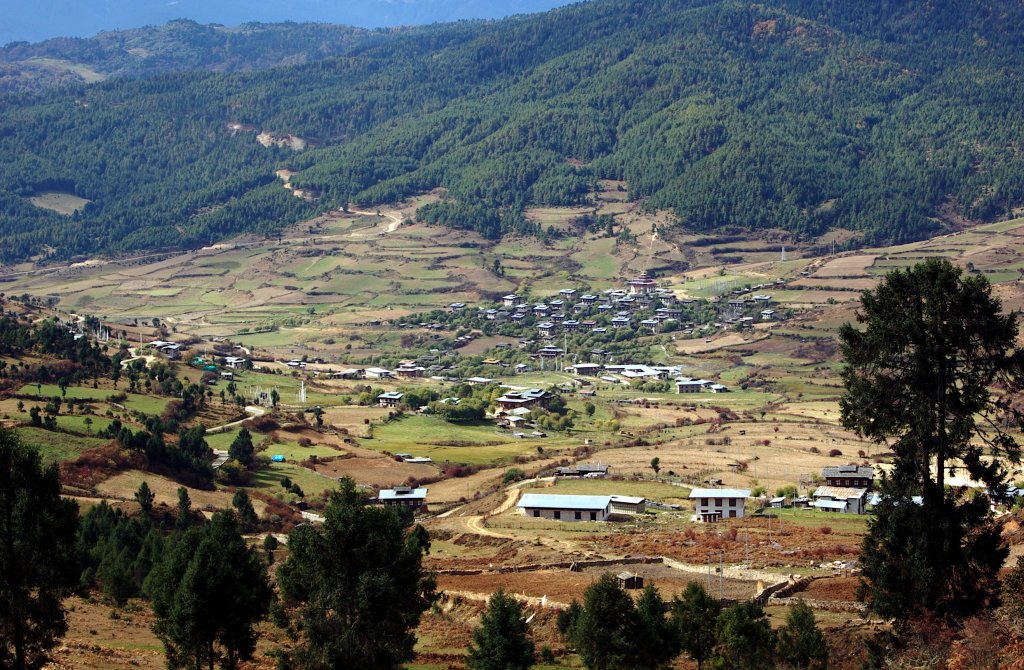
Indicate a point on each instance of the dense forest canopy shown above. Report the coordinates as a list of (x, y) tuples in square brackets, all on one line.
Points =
[(878, 117)]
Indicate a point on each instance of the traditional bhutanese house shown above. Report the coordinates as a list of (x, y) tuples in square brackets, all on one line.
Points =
[(390, 399), (767, 314), (571, 325), (546, 329), (840, 499), (404, 496), (717, 504), (234, 362), (565, 507), (642, 285), (588, 299), (851, 476), (686, 385), (567, 292), (410, 371), (510, 300), (620, 322), (588, 369), (628, 505), (550, 352), (558, 317), (527, 398), (650, 323)]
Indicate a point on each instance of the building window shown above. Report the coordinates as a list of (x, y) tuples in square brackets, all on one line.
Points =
[(732, 514), (718, 502), (732, 502), (579, 515), (558, 514), (536, 512), (704, 502)]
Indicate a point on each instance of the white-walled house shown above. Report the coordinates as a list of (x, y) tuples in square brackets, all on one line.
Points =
[(565, 507), (842, 499), (717, 504)]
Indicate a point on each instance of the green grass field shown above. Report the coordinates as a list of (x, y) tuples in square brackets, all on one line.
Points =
[(603, 487), (434, 437), (54, 446), (269, 480)]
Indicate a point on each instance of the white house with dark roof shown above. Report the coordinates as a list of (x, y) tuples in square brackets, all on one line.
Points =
[(565, 507), (840, 499), (717, 504)]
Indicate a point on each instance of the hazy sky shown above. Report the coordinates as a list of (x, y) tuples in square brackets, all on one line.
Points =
[(42, 19)]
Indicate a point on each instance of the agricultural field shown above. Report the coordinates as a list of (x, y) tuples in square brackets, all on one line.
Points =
[(327, 290)]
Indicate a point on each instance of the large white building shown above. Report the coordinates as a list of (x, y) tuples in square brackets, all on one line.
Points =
[(566, 507), (717, 504)]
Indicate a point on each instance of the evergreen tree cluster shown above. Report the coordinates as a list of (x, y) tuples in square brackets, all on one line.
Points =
[(798, 114), (611, 632)]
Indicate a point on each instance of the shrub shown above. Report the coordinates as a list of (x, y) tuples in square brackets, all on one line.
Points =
[(834, 452), (825, 530)]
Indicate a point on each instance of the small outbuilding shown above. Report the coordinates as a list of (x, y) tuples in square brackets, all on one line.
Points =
[(628, 580), (628, 505)]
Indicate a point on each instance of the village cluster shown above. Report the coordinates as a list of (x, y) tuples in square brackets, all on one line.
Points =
[(847, 489)]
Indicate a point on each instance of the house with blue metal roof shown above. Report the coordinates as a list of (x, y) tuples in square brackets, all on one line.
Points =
[(557, 507)]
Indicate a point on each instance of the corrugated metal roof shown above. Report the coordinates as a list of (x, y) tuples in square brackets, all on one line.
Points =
[(830, 504), (720, 493), (557, 501), (628, 500), (393, 494), (838, 492)]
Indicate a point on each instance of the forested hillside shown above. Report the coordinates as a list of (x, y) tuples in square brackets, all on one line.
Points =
[(175, 46), (880, 118)]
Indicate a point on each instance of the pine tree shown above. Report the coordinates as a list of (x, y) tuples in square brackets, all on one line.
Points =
[(145, 496), (921, 375), (745, 640), (656, 643), (501, 641), (694, 615), (604, 631), (242, 449), (247, 518), (208, 593), (358, 584), (801, 644), (37, 563)]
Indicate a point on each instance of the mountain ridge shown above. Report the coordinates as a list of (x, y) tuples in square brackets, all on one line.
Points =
[(803, 115)]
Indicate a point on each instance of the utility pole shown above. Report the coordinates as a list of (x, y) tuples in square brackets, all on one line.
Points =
[(709, 572), (721, 576)]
